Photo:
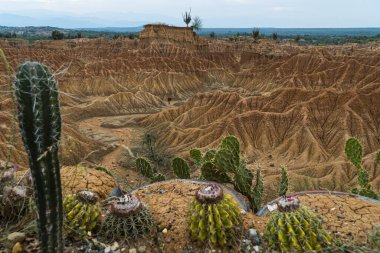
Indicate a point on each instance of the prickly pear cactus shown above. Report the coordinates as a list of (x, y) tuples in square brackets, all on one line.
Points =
[(214, 217), (144, 167), (209, 172), (180, 168), (354, 152), (82, 212), (292, 228), (127, 220), (232, 144), (196, 156)]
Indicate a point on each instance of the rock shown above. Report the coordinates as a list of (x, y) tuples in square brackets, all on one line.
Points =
[(252, 233), (257, 249), (114, 246), (141, 249), (17, 248), (107, 249), (133, 250), (16, 237), (165, 231)]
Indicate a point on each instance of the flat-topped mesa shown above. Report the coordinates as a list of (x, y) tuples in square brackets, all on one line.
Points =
[(164, 34)]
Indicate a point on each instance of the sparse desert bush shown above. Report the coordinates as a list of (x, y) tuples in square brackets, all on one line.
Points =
[(40, 124), (374, 238), (354, 153), (197, 23), (292, 228), (214, 217)]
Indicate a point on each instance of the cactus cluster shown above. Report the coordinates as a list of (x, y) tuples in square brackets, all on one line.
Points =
[(147, 170), (292, 228), (354, 153), (127, 219), (82, 213), (40, 124), (217, 165), (214, 218)]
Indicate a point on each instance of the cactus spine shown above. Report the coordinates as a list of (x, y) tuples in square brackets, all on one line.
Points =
[(181, 168), (284, 181), (82, 212), (295, 229), (354, 152), (40, 124), (214, 217)]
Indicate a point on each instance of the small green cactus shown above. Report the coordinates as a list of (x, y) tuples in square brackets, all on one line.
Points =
[(257, 192), (128, 219), (209, 155), (284, 181), (196, 156), (144, 166), (181, 168), (354, 152), (374, 238), (292, 228), (82, 213), (378, 157), (146, 169), (214, 218)]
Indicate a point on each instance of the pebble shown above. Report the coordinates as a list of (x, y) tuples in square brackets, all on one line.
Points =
[(107, 249), (141, 249), (17, 248), (114, 246), (165, 231), (252, 233), (16, 237), (132, 250)]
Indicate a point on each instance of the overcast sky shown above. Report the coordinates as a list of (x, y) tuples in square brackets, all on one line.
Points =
[(214, 13)]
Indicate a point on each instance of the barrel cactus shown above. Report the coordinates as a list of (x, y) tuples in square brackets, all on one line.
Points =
[(293, 228), (214, 218), (127, 219), (82, 212), (40, 124), (180, 168)]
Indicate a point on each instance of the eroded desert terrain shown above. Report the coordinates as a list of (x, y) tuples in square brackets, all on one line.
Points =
[(287, 104)]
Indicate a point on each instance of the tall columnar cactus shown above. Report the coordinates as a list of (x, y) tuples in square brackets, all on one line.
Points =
[(82, 212), (284, 181), (128, 219), (145, 167), (214, 217), (292, 228), (354, 152), (181, 168), (40, 124), (257, 192)]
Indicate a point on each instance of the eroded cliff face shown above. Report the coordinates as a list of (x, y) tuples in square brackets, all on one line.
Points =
[(288, 105)]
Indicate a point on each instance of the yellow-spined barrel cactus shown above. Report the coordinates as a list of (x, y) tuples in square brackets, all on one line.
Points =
[(82, 212), (127, 219), (214, 217), (292, 228)]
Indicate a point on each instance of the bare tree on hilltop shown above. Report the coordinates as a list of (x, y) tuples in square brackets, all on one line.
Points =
[(187, 18), (197, 23)]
